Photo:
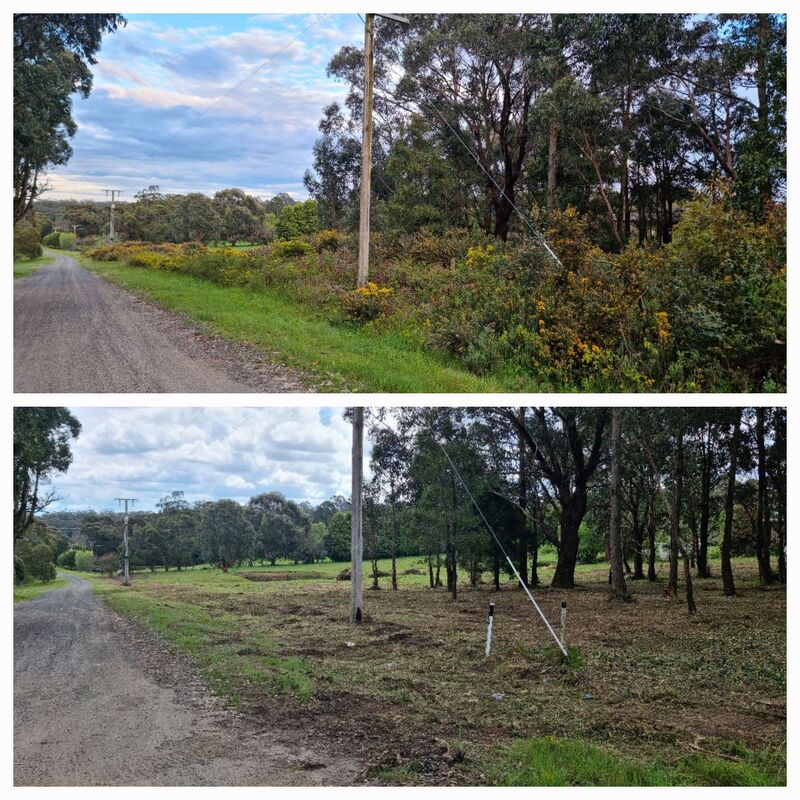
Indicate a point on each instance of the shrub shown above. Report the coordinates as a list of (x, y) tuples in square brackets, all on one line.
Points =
[(26, 241), (66, 241), (292, 247), (327, 240), (53, 239), (299, 219), (39, 564), (67, 559), (367, 302), (19, 571), (85, 561), (108, 564)]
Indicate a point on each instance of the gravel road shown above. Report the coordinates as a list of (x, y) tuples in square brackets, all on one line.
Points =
[(98, 701), (75, 332)]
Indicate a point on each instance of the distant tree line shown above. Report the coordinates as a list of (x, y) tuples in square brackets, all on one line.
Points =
[(231, 216)]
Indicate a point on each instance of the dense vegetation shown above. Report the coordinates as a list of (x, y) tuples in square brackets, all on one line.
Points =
[(706, 312)]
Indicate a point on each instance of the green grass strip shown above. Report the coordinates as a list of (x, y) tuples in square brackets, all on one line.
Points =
[(27, 591), (338, 357)]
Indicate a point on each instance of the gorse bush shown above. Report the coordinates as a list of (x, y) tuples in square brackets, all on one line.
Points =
[(67, 559), (706, 312)]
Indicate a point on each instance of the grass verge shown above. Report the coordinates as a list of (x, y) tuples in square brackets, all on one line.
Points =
[(236, 655), (548, 761), (30, 590), (25, 266), (338, 357)]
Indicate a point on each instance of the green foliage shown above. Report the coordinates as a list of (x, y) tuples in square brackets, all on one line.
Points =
[(26, 241), (38, 560), (366, 303), (291, 247), (67, 559), (299, 219), (592, 543), (52, 55), (225, 533), (66, 241), (85, 561), (53, 239), (337, 537), (19, 571)]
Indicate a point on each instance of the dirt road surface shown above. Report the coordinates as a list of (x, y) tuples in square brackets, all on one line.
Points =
[(75, 332), (99, 702)]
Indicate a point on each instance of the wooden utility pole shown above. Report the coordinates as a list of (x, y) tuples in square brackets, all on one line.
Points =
[(356, 532), (125, 563), (366, 151), (113, 193), (366, 144)]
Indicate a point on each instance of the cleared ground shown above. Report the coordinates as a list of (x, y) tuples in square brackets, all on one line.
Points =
[(700, 698), (74, 332), (100, 702)]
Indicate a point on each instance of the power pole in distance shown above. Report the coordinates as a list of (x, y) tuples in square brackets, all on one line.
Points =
[(113, 193), (126, 578), (366, 143), (356, 533)]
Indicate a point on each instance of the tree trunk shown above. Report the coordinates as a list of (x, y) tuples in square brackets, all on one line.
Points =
[(552, 167), (651, 540), (571, 517), (496, 572), (618, 587), (762, 538), (394, 547), (687, 576), (638, 545), (675, 522), (705, 514), (725, 549), (522, 561)]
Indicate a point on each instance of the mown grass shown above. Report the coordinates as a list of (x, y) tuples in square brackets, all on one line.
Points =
[(25, 266), (548, 761), (338, 358), (27, 591), (656, 696)]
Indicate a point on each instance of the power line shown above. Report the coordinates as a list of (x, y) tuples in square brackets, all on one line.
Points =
[(536, 234), (494, 536)]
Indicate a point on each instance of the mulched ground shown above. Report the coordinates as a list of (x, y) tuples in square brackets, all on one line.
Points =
[(410, 689)]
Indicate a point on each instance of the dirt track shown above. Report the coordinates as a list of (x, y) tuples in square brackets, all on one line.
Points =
[(99, 702), (74, 332)]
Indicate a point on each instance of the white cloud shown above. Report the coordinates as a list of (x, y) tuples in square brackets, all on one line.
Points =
[(208, 453)]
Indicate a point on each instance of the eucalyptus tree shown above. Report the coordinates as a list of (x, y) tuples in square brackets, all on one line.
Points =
[(567, 445), (52, 56), (42, 438)]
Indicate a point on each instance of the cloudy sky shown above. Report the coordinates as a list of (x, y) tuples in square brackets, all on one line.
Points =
[(208, 453), (167, 107)]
